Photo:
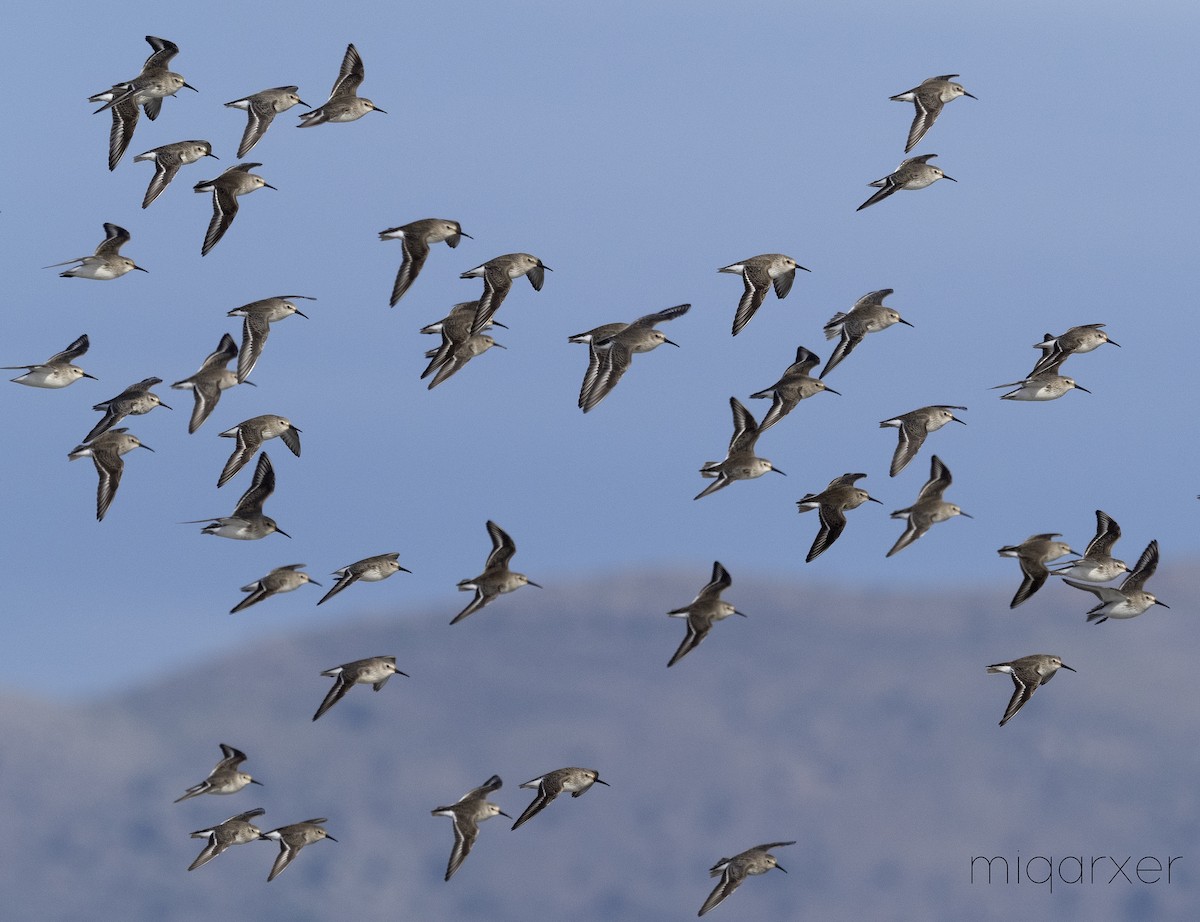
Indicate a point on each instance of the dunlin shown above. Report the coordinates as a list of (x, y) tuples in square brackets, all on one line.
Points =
[(167, 161), (496, 578), (261, 109), (259, 315), (1047, 385), (105, 450), (458, 346), (293, 838), (369, 569), (1075, 341), (1097, 565), (281, 579), (550, 785), (913, 173), (759, 273), (135, 400), (498, 275), (57, 371), (796, 384), (415, 239), (470, 810), (703, 611), (225, 778), (610, 356), (868, 315), (344, 104), (373, 671), (207, 383), (740, 461), (247, 522), (832, 503), (929, 509), (462, 316), (237, 830), (914, 426), (1028, 672), (250, 435), (1130, 599), (733, 871), (235, 181), (1034, 553), (106, 263), (929, 98)]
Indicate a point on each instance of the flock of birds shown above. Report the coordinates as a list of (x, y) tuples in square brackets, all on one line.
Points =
[(464, 334)]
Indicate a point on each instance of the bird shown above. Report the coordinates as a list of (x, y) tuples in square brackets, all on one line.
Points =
[(1130, 599), (914, 426), (256, 326), (833, 501), (293, 838), (496, 578), (57, 371), (415, 239), (250, 434), (105, 450), (759, 273), (929, 97), (467, 813), (261, 109), (225, 778), (929, 509), (913, 173), (1075, 341), (609, 356), (106, 263), (740, 461), (235, 181), (281, 579), (733, 871), (373, 671), (167, 161), (135, 400), (498, 275), (247, 522), (703, 611), (237, 830), (1097, 565), (344, 103), (1028, 672), (796, 384), (369, 569), (458, 345), (868, 315), (551, 784), (1047, 384), (208, 382), (1034, 553), (463, 315)]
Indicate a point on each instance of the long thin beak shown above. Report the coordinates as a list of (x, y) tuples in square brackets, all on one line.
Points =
[(1065, 666), (957, 420), (1118, 345), (872, 499), (251, 383), (670, 343), (603, 782), (951, 178), (547, 268), (211, 154), (314, 582), (778, 471), (161, 404), (736, 612), (147, 447), (93, 377), (465, 234), (192, 88), (377, 109), (540, 586), (905, 322), (502, 813), (972, 95), (798, 266), (499, 345), (252, 781), (282, 532), (967, 514), (1080, 387), (782, 868), (303, 103), (139, 269), (1163, 604), (406, 570), (267, 185), (330, 838), (299, 314)]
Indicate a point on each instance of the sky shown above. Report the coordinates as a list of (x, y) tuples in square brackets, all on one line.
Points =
[(636, 149)]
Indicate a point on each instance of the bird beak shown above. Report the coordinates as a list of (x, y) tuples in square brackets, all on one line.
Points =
[(798, 266), (313, 581), (905, 322), (782, 868), (267, 185), (140, 269), (1163, 604), (330, 838), (190, 87), (93, 377), (957, 420), (872, 499), (1065, 666), (300, 314), (282, 532), (1080, 387), (406, 570), (303, 103), (670, 343), (1118, 345), (502, 813), (377, 109), (463, 233), (211, 154), (778, 471), (161, 404), (832, 391), (967, 514), (540, 586), (736, 612), (497, 323), (147, 447), (973, 96), (499, 345), (547, 268), (605, 783), (252, 781), (251, 383), (951, 178)]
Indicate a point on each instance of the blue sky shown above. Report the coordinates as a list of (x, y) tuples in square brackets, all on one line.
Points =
[(635, 151)]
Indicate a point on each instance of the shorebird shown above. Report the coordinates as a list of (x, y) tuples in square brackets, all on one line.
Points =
[(235, 181), (929, 509), (868, 315), (795, 385), (135, 400), (250, 435), (105, 450), (740, 461), (913, 173), (1034, 553), (373, 671), (733, 871), (293, 838), (551, 784), (106, 263), (57, 371), (833, 501), (208, 382), (344, 103), (1028, 672), (1097, 565), (703, 611), (369, 569), (759, 273), (470, 810), (256, 326), (610, 355), (167, 161), (247, 522), (261, 109), (1130, 599), (914, 426), (237, 830), (929, 97), (458, 346), (1044, 385), (415, 239), (1075, 341), (462, 316), (498, 275), (225, 778), (496, 578), (281, 579)]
